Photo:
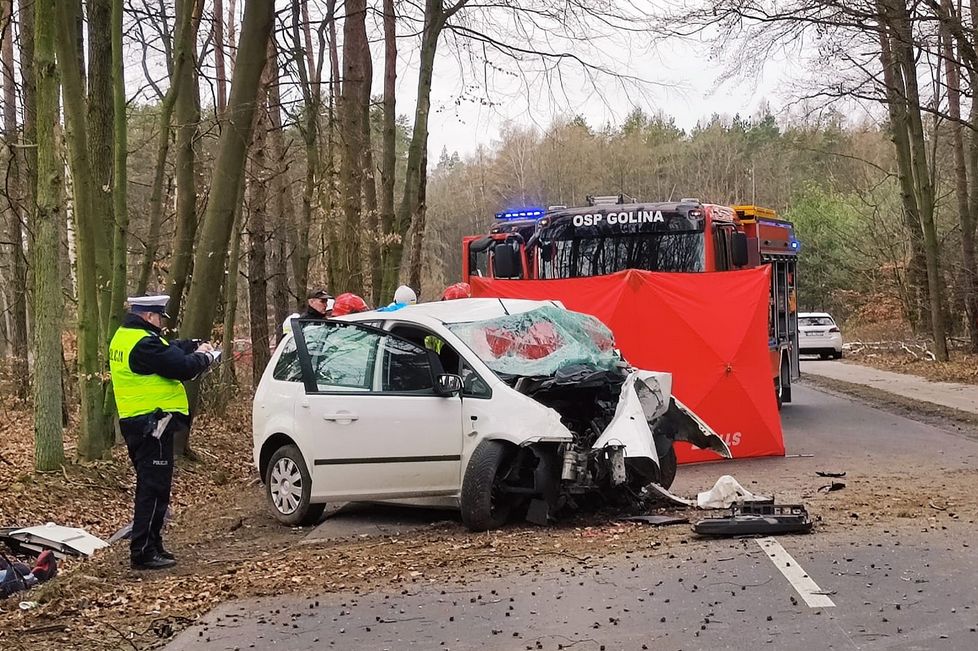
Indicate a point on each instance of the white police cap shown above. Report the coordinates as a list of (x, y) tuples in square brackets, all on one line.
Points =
[(155, 304)]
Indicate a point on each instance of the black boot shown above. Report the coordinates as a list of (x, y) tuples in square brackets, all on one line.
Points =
[(154, 562), (162, 552)]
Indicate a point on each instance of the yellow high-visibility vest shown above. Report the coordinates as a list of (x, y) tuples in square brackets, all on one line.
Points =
[(135, 394)]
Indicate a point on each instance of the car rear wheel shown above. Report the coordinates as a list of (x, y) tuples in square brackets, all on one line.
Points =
[(483, 503), (837, 354), (288, 488)]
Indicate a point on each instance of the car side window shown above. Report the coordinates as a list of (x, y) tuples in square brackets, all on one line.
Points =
[(341, 356), (473, 386), (406, 368), (287, 367)]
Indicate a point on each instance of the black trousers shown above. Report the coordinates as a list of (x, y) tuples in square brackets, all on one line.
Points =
[(152, 460)]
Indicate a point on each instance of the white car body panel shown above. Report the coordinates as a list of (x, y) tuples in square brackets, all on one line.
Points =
[(630, 424)]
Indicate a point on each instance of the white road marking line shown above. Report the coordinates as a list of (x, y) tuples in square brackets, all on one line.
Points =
[(796, 576)]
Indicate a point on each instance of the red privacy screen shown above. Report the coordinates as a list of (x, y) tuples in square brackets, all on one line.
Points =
[(708, 329)]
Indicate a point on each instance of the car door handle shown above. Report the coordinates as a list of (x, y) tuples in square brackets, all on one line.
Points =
[(341, 416)]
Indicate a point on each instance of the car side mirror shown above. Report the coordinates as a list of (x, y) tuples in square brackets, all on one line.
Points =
[(447, 385), (738, 251)]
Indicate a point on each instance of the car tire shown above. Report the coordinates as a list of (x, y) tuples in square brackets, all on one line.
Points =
[(667, 468), (825, 355), (289, 505), (837, 354), (482, 507)]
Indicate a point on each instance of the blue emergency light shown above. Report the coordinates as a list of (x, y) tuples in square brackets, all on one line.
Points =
[(794, 244), (521, 213)]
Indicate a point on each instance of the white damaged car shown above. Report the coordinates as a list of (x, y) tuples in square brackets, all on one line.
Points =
[(499, 407)]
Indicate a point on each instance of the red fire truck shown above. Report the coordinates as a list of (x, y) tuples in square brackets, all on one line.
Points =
[(612, 234)]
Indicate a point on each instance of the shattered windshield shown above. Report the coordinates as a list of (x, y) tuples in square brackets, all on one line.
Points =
[(539, 342)]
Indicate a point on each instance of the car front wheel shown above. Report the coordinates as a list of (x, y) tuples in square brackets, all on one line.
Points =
[(288, 488), (484, 505)]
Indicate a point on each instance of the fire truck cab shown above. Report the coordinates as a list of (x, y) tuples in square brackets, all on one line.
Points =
[(611, 234)]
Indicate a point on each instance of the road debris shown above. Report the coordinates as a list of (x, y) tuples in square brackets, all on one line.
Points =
[(63, 541), (656, 520), (834, 486), (835, 475), (725, 493), (757, 519)]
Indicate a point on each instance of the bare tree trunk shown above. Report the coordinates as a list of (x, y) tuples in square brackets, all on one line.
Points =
[(918, 310), (258, 235), (100, 148), (26, 10), (215, 233), (331, 242), (94, 440), (187, 114), (349, 271), (369, 174), (15, 232), (46, 225), (257, 272), (120, 210), (182, 58), (219, 67), (388, 165), (312, 98), (282, 226), (228, 379), (410, 213), (924, 188), (965, 216)]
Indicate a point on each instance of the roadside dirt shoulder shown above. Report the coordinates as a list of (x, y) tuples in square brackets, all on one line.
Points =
[(960, 422)]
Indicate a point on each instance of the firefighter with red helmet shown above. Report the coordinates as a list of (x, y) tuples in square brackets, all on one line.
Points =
[(456, 291), (349, 303)]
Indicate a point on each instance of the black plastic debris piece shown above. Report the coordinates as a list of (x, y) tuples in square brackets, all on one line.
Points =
[(825, 473), (656, 520), (834, 486), (757, 519)]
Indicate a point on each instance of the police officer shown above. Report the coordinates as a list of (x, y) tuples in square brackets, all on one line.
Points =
[(147, 378)]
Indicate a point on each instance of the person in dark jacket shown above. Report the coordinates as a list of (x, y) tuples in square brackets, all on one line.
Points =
[(319, 304), (147, 379)]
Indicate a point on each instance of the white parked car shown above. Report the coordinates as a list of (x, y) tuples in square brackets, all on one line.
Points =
[(493, 406), (819, 335)]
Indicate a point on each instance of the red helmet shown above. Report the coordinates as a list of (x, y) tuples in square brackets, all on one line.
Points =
[(348, 304), (458, 290)]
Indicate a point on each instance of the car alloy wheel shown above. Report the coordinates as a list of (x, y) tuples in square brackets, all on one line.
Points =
[(286, 486)]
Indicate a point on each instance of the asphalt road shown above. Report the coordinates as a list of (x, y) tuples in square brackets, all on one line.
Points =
[(904, 582)]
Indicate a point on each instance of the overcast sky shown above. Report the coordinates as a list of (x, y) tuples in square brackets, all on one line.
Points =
[(684, 85)]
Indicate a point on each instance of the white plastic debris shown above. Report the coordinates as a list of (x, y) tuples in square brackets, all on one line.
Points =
[(724, 493), (62, 541)]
